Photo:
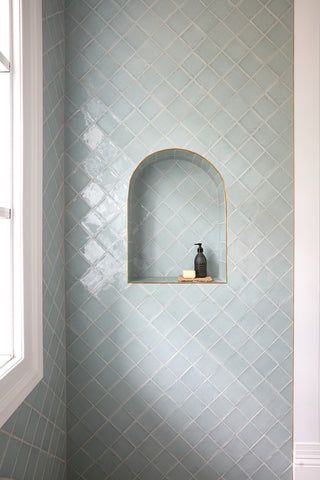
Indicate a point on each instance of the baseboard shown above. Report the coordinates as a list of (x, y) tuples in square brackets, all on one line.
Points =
[(307, 454), (306, 473), (307, 461)]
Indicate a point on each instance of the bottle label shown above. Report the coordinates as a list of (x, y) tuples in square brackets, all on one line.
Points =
[(201, 269)]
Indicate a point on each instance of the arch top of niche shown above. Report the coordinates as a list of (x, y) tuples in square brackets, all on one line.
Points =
[(176, 198)]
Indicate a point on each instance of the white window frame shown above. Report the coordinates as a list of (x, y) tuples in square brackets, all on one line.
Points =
[(21, 374), (307, 241)]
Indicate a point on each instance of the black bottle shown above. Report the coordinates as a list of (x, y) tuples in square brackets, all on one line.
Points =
[(200, 263)]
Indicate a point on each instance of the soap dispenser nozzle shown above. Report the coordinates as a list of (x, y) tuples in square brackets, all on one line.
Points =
[(200, 249)]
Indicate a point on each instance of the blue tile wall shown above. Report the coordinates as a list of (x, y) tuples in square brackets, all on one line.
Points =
[(167, 381), (33, 441)]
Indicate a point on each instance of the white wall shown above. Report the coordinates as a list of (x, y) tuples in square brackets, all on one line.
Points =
[(307, 128)]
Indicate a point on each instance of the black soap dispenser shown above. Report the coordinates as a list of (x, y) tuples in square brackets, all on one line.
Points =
[(200, 263)]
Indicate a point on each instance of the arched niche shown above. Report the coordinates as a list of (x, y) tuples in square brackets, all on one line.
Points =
[(176, 198)]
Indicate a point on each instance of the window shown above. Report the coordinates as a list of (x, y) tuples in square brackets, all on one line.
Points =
[(6, 338), (20, 201)]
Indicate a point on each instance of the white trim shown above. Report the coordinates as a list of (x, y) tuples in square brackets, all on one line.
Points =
[(306, 473), (307, 454), (307, 226), (307, 461), (21, 375)]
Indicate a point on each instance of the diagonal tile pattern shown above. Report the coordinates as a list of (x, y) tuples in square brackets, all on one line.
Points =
[(33, 441), (172, 382)]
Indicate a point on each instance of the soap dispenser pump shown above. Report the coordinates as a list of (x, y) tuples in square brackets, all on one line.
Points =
[(200, 263)]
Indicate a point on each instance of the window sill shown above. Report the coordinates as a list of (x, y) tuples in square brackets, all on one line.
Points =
[(4, 359)]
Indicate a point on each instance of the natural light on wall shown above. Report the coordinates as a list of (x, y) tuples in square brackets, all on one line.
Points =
[(6, 337), (20, 201)]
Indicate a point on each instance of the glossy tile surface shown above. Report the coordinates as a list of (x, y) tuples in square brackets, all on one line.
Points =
[(175, 381), (33, 441)]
